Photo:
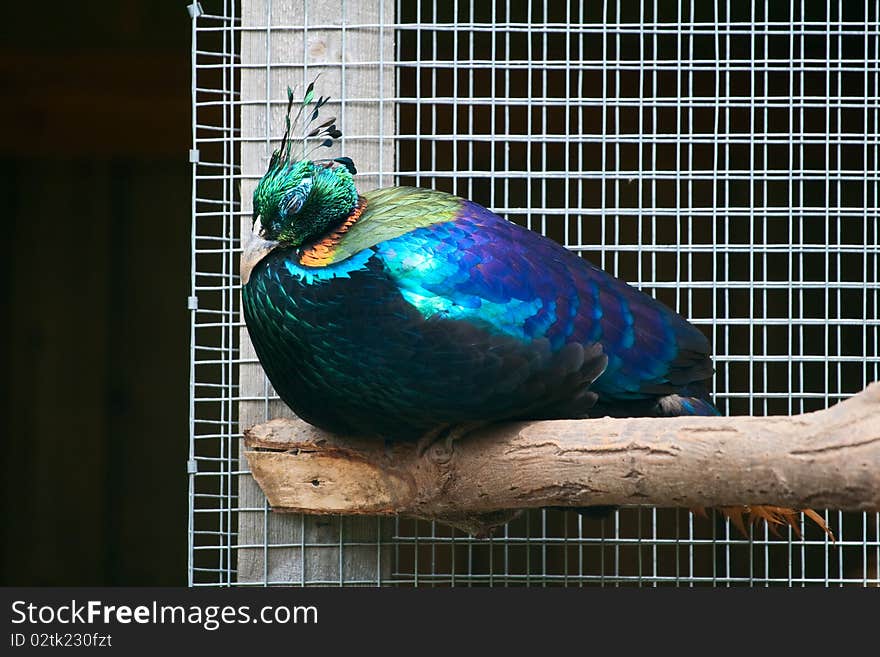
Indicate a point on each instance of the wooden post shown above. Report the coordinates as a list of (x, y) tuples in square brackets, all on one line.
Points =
[(355, 60)]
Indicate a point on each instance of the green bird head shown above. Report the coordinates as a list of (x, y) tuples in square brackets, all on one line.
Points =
[(297, 201)]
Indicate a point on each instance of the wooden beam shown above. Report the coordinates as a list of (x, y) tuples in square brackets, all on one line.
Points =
[(344, 49), (825, 459)]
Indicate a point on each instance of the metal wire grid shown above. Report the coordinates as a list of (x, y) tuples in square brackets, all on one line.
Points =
[(724, 158), (213, 304)]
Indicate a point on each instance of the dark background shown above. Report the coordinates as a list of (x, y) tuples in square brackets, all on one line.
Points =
[(95, 195)]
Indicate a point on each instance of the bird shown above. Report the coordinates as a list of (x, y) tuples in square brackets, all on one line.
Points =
[(406, 313)]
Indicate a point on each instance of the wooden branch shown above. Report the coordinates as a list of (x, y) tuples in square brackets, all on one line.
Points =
[(826, 459)]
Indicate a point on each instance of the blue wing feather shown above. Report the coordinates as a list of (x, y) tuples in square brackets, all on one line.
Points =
[(482, 269)]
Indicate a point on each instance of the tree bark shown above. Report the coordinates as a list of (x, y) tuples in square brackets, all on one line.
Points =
[(825, 459)]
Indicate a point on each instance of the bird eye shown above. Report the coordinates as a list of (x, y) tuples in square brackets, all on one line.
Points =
[(296, 198), (291, 203)]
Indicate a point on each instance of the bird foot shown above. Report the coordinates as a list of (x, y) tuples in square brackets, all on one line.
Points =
[(439, 441), (773, 516)]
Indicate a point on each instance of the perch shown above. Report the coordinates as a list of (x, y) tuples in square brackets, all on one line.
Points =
[(825, 459)]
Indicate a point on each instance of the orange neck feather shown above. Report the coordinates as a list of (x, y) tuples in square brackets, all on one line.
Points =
[(320, 254)]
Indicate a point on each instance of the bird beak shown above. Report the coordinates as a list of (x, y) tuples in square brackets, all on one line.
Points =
[(255, 249)]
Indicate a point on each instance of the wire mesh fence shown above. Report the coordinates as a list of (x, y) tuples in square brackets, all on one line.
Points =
[(721, 156)]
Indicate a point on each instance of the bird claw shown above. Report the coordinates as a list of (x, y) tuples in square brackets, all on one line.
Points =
[(773, 516), (440, 440)]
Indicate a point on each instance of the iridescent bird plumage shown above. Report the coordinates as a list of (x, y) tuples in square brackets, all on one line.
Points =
[(313, 192), (402, 310)]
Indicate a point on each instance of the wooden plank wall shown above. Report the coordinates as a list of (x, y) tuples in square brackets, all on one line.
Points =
[(355, 62)]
